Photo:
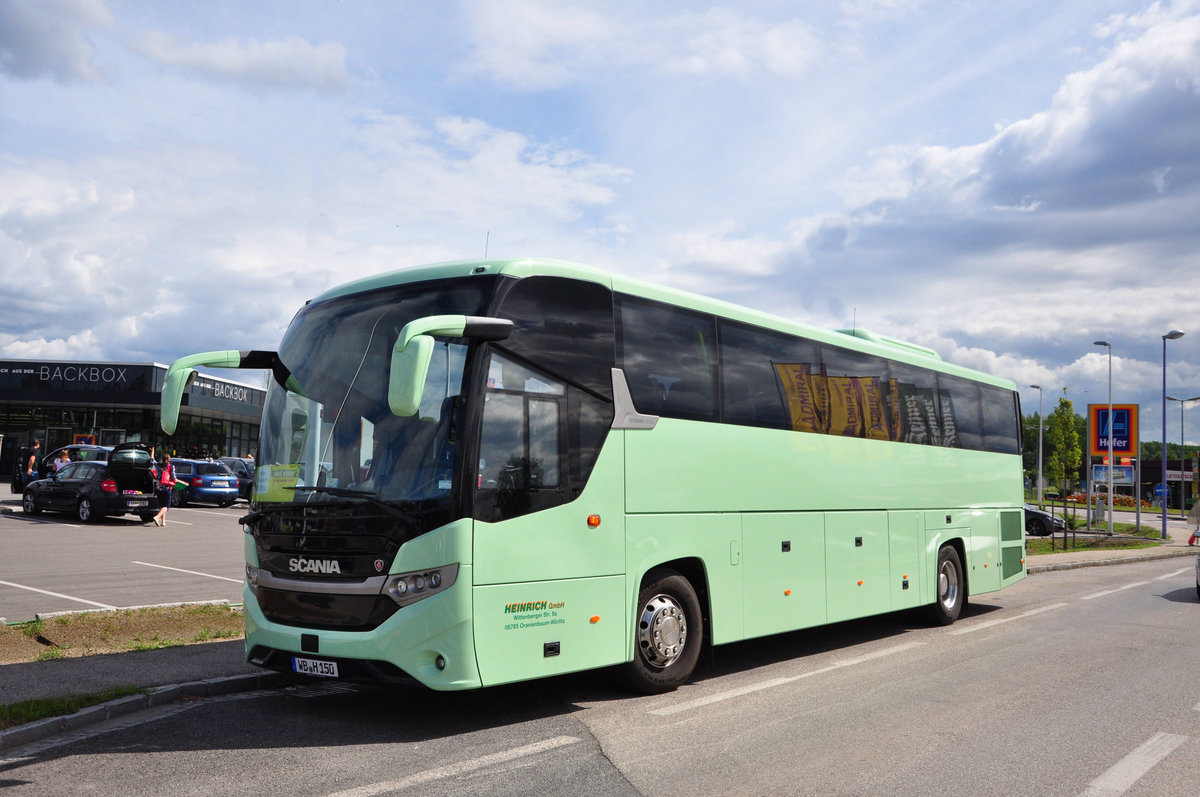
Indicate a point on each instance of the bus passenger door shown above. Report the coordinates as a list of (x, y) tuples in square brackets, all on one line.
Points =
[(548, 564)]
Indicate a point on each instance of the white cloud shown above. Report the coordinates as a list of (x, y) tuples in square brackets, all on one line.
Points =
[(538, 44), (286, 63), (48, 38)]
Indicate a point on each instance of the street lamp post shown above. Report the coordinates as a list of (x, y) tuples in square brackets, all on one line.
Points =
[(1182, 446), (1108, 345), (1174, 334), (1041, 424)]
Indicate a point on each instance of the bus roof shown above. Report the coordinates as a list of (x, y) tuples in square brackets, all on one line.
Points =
[(858, 339)]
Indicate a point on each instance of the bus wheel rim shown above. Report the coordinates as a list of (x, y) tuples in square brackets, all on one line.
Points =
[(948, 585), (662, 631)]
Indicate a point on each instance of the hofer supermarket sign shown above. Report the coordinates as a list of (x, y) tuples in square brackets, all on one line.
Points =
[(1123, 427)]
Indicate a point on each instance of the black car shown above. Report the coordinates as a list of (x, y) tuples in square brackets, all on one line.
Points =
[(243, 468), (90, 490), (78, 453), (1039, 523)]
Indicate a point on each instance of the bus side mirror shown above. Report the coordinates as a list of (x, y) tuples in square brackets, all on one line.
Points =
[(183, 371), (180, 375), (406, 380), (414, 350)]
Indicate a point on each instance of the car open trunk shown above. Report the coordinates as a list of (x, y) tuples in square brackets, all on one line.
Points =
[(130, 466)]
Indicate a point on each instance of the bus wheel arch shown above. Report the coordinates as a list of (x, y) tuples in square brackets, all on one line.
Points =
[(950, 584), (668, 630)]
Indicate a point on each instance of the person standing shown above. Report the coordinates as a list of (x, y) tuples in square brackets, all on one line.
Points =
[(164, 484), (31, 465), (64, 458)]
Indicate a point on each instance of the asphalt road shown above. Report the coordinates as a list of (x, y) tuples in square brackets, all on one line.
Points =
[(1069, 683), (53, 563)]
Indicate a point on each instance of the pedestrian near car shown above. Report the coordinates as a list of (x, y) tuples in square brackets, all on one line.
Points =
[(64, 458), (164, 483), (31, 466)]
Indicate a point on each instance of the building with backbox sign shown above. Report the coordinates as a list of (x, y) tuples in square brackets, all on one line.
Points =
[(59, 402)]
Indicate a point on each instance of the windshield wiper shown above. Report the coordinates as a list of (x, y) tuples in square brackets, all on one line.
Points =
[(370, 497)]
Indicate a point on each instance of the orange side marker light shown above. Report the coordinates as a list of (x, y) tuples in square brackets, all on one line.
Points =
[(593, 521), (595, 619), (787, 592)]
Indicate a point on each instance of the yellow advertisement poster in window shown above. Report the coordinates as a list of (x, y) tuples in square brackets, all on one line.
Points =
[(804, 396)]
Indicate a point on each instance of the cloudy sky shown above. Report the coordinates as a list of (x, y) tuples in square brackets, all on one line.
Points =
[(1005, 183)]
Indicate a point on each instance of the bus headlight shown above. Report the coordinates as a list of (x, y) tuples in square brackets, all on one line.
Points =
[(406, 588), (252, 578)]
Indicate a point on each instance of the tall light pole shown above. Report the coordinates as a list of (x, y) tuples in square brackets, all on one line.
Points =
[(1108, 345), (1174, 334), (1041, 423), (1182, 446)]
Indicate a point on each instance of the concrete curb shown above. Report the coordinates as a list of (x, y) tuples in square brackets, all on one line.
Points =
[(149, 698), (1125, 560)]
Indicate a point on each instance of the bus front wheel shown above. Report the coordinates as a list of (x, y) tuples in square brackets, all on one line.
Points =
[(669, 631), (950, 587)]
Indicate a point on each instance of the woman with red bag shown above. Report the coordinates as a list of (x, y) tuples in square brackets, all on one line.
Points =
[(164, 484)]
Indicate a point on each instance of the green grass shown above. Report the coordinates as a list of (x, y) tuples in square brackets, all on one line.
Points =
[(41, 708), (1125, 537)]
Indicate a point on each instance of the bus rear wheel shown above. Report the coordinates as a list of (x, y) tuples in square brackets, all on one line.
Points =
[(950, 587), (669, 631)]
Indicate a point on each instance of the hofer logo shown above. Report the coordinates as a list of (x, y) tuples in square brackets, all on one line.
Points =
[(329, 566)]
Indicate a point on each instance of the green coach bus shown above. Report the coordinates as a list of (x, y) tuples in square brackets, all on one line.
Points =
[(480, 472)]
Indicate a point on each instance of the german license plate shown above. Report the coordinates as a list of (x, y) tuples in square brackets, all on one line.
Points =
[(136, 502), (324, 669), (220, 482)]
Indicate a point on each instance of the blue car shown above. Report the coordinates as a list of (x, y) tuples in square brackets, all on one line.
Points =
[(203, 482)]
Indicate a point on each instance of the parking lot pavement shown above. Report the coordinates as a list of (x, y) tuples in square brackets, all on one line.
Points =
[(52, 563), (215, 667)]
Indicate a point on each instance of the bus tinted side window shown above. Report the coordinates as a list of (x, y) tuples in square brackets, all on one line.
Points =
[(669, 357), (565, 326), (958, 402), (913, 405), (520, 462), (855, 384), (1001, 424), (547, 406), (766, 379)]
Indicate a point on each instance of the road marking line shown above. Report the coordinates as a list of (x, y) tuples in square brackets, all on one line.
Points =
[(192, 572), (205, 512), (57, 595), (1116, 589), (999, 620), (46, 521), (441, 773), (1172, 575), (1132, 767), (773, 682)]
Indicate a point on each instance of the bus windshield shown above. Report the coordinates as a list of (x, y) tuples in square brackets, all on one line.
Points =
[(329, 435)]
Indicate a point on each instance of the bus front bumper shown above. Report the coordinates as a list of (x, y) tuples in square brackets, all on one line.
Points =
[(430, 642)]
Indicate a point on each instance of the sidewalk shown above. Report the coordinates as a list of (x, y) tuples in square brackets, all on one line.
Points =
[(219, 667)]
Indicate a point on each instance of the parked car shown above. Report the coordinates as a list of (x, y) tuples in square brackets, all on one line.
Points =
[(79, 453), (96, 488), (204, 481), (243, 468), (1039, 523)]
